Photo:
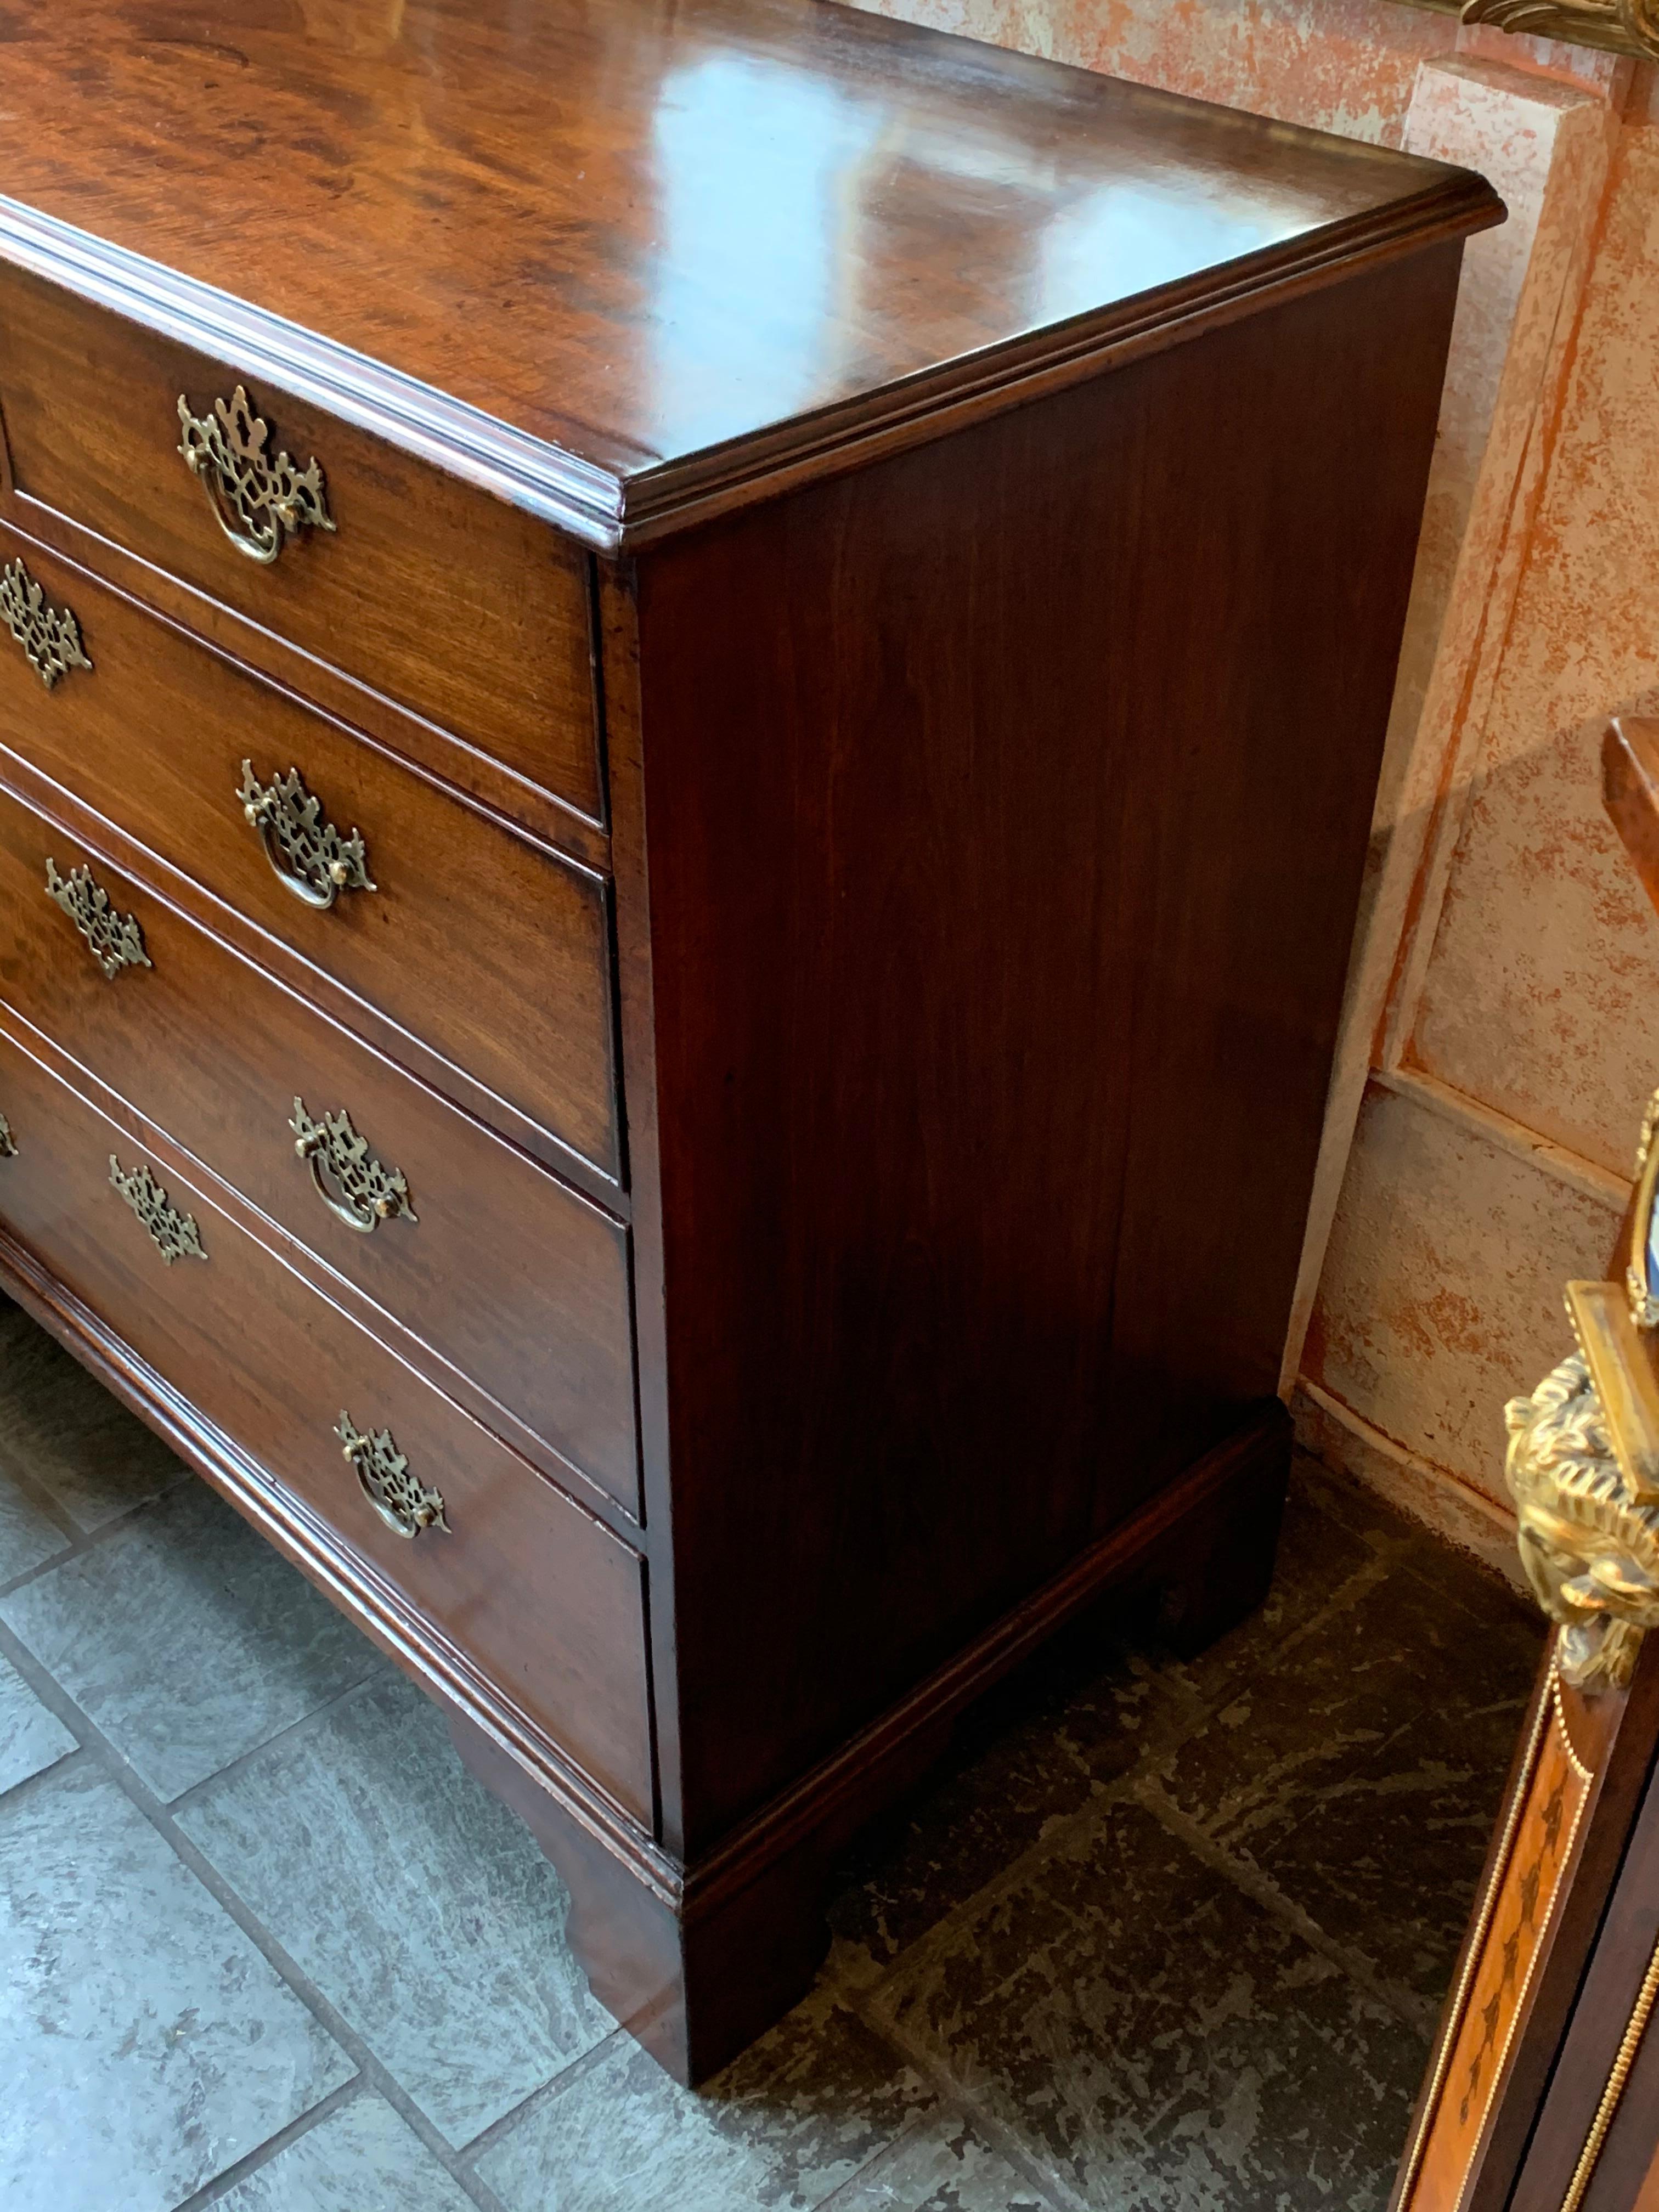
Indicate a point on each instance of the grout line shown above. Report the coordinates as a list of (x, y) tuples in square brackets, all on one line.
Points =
[(1419, 2013), (232, 1767), (36, 1493), (1052, 2187), (484, 2141), (371, 2071), (53, 1771), (79, 1541), (214, 2191), (1160, 1745)]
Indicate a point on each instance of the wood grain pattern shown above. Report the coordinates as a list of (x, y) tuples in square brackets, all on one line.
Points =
[(460, 608), (493, 950), (550, 1600), (994, 991), (619, 297), (1008, 482), (508, 1275)]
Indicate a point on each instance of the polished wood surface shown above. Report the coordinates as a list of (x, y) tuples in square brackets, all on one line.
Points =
[(547, 1600), (464, 919), (1578, 1777), (658, 1954), (461, 609), (1007, 484), (1597, 2137), (508, 1277), (673, 251), (1021, 972)]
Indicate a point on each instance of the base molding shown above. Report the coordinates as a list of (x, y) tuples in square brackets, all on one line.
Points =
[(1199, 1557), (697, 1960)]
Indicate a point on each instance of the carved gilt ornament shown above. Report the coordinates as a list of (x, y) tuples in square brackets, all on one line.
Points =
[(1590, 1550), (1612, 27)]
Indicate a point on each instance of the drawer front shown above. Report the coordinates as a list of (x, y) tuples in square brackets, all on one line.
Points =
[(436, 595), (548, 1604), (503, 1272), (491, 949)]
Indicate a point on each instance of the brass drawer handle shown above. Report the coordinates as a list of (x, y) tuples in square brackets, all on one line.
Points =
[(7, 1142), (174, 1235), (113, 938), (405, 1505), (369, 1192), (308, 855), (50, 635), (258, 501)]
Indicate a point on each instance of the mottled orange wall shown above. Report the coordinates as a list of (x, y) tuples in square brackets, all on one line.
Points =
[(1535, 1028), (1511, 1004), (1344, 65)]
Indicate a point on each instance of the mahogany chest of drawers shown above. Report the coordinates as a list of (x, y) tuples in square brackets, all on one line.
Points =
[(688, 703)]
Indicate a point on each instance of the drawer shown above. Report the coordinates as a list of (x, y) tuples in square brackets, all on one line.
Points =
[(502, 1271), (542, 1599), (436, 595), (490, 948)]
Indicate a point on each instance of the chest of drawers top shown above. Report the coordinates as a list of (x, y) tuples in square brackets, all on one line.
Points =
[(624, 266)]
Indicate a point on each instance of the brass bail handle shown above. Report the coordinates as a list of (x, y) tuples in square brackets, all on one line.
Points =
[(259, 501), (406, 1504), (369, 1192), (308, 855), (365, 1220)]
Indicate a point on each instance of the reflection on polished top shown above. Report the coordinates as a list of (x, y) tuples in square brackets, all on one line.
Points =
[(635, 230)]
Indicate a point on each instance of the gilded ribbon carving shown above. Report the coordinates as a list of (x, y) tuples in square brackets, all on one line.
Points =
[(1589, 1548), (1618, 26)]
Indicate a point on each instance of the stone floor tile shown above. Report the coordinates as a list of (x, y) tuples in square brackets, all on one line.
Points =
[(359, 2158), (941, 2166), (29, 1536), (31, 1738), (418, 1904), (187, 1638), (1084, 1711), (69, 1435), (1362, 1769), (145, 2043), (1155, 2039), (800, 2113), (1035, 1751)]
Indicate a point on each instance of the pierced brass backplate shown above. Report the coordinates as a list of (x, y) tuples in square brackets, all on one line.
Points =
[(49, 635), (7, 1142), (369, 1193), (403, 1503), (258, 501), (175, 1235), (308, 856), (115, 939)]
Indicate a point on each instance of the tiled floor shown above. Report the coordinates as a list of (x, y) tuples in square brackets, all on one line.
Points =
[(1160, 1939)]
